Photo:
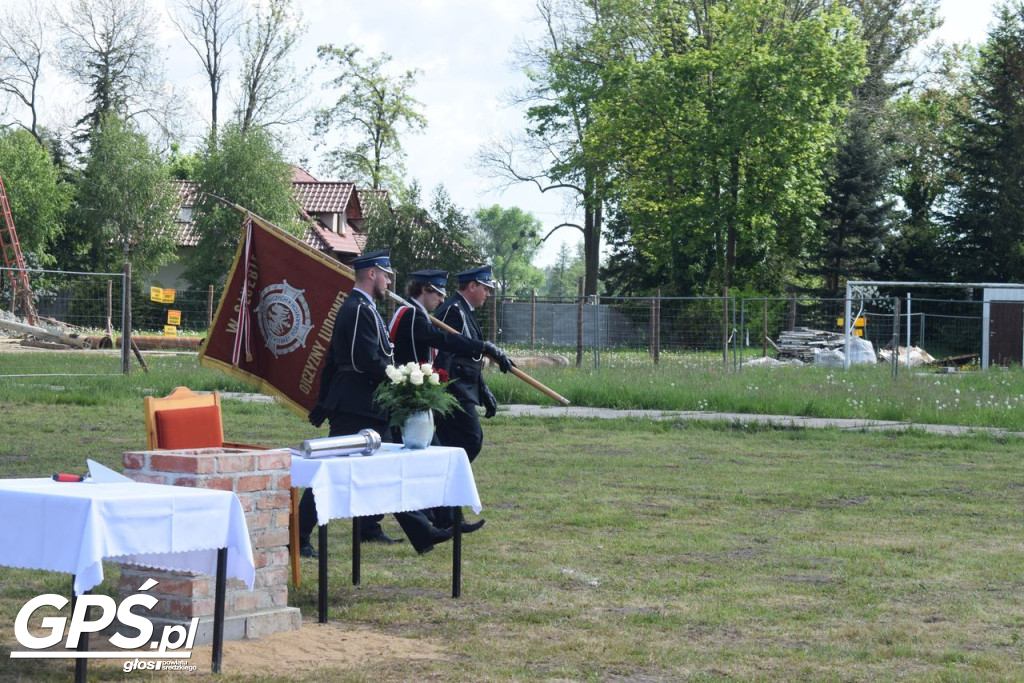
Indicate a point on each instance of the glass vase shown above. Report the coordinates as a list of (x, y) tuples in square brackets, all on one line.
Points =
[(418, 430)]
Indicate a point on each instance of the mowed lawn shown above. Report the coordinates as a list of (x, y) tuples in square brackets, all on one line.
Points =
[(652, 551)]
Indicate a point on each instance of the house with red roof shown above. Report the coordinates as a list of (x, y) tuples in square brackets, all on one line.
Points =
[(333, 211)]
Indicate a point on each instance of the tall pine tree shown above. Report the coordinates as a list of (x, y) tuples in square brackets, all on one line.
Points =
[(988, 211)]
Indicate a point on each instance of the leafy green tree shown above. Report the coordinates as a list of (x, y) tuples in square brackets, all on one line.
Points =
[(719, 123), (509, 239), (439, 237), (247, 169), (182, 165), (35, 192), (988, 208), (125, 208), (723, 119), (372, 112)]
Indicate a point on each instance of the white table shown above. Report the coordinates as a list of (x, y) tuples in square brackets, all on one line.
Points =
[(73, 527), (390, 480)]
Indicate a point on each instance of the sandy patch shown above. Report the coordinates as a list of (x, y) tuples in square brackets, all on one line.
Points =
[(314, 646)]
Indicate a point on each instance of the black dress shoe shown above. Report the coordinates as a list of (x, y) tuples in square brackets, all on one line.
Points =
[(307, 550), (436, 536), (381, 538), (468, 528)]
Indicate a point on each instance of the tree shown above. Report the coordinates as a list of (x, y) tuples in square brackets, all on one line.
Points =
[(923, 148), (272, 93), (558, 151), (419, 239), (372, 112), (718, 130), (988, 208), (125, 208), (849, 241), (509, 242), (562, 278), (37, 197), (855, 219), (248, 169), (108, 46), (22, 50), (208, 26)]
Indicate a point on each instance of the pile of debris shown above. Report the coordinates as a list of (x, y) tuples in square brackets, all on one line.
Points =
[(45, 337), (802, 343)]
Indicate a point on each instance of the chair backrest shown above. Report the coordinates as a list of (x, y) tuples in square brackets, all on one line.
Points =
[(183, 419)]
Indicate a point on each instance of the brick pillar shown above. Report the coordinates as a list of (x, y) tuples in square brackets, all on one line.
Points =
[(262, 480)]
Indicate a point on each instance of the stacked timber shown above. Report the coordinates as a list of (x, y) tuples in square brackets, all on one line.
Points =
[(802, 342)]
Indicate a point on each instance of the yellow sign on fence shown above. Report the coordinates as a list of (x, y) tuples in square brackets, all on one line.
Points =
[(859, 322), (170, 331), (173, 317), (161, 296)]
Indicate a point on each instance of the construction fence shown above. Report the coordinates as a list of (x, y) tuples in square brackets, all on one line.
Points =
[(738, 329), (734, 330)]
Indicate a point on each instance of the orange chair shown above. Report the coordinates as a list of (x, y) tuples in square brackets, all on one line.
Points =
[(185, 419)]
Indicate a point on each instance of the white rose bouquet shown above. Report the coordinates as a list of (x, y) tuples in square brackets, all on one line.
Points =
[(414, 388)]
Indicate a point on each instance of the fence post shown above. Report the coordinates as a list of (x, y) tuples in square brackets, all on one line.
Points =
[(110, 310), (656, 327), (764, 328), (735, 334), (579, 325), (725, 326), (209, 307), (657, 330), (895, 336), (597, 332), (908, 330), (126, 332), (533, 319)]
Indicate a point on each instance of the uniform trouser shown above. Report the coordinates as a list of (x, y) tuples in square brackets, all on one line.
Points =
[(461, 428), (415, 524)]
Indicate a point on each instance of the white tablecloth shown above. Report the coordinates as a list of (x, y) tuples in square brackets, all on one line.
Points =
[(389, 480), (73, 527)]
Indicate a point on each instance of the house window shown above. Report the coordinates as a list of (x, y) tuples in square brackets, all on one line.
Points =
[(185, 214)]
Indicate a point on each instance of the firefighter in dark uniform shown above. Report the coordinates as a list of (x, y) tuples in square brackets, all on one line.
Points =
[(359, 353), (418, 340), (462, 427)]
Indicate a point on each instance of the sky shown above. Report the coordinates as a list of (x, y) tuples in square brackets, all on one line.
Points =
[(463, 50)]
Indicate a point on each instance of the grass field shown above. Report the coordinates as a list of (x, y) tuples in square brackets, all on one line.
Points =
[(639, 550)]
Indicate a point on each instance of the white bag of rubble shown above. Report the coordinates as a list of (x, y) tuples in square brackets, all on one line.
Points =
[(829, 358), (918, 356), (862, 352)]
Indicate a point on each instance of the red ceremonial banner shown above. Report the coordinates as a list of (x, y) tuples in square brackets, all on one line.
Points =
[(275, 318)]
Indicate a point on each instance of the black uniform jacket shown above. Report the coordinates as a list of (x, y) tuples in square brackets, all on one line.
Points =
[(355, 363), (414, 337), (464, 367)]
